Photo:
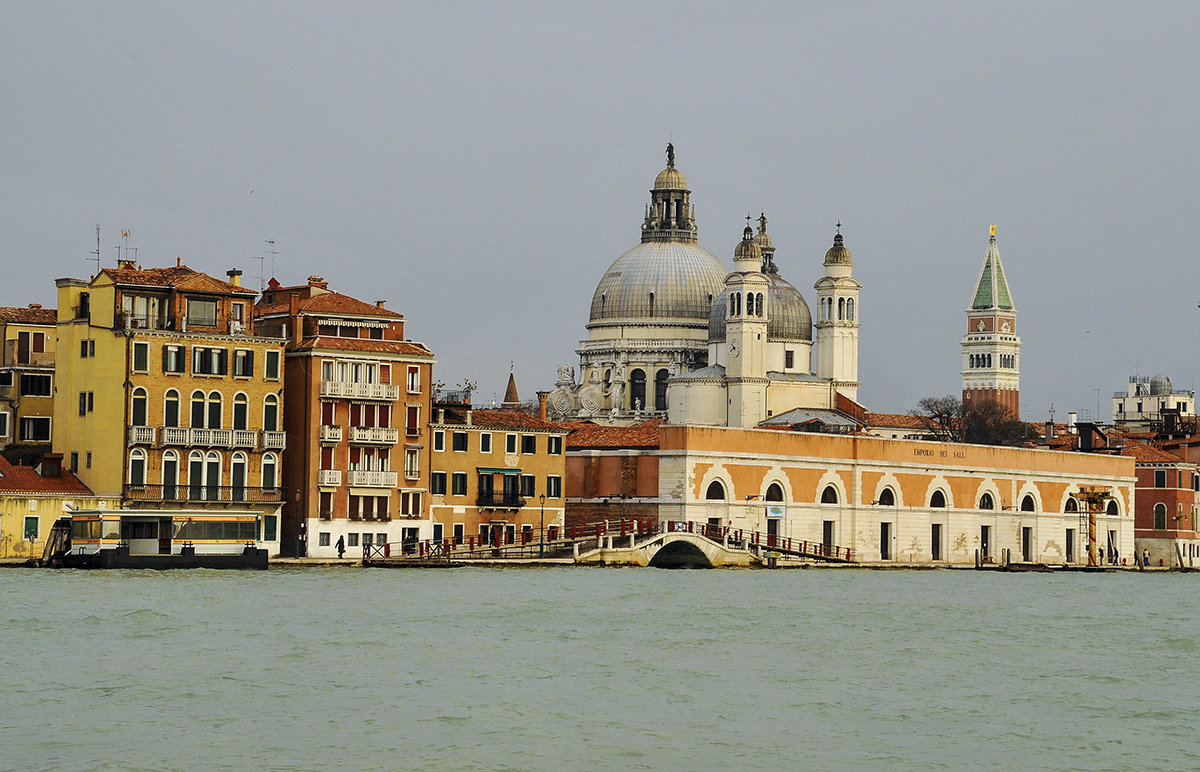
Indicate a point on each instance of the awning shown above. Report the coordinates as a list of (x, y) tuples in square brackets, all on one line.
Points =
[(496, 470)]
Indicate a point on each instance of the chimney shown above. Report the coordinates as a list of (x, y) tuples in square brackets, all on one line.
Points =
[(1049, 431), (317, 283), (178, 261), (542, 397), (35, 305), (294, 316), (1072, 417), (469, 418), (380, 303), (235, 277), (51, 465)]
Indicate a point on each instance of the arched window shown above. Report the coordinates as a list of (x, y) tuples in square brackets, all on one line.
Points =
[(195, 476), (212, 476), (749, 304), (637, 389), (731, 304), (1160, 515), (170, 473), (938, 500), (1071, 506), (241, 406), (197, 410), (986, 502), (660, 389), (1112, 510), (841, 309), (270, 476), (759, 305), (829, 495), (237, 476), (715, 492), (214, 410), (850, 309), (271, 413), (171, 408), (652, 304), (774, 492), (138, 415), (887, 498), (1027, 504), (137, 467)]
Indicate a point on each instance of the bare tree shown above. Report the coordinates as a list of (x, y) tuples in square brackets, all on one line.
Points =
[(942, 417), (982, 422)]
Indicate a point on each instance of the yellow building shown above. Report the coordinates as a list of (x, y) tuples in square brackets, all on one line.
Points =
[(32, 498), (494, 473), (27, 379), (168, 399)]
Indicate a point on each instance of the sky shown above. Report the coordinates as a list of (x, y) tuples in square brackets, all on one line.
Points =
[(479, 165)]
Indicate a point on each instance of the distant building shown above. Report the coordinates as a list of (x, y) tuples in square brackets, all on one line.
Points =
[(32, 498), (167, 397), (991, 350), (359, 395), (27, 379), (1154, 405), (1168, 495)]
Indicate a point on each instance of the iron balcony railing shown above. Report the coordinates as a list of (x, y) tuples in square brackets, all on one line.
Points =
[(500, 500), (202, 493)]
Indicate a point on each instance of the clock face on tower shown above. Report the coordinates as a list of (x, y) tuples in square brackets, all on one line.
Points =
[(733, 348)]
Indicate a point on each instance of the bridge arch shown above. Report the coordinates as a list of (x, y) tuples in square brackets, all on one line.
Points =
[(681, 553)]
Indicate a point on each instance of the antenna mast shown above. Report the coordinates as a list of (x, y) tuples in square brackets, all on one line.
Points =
[(272, 252), (96, 252)]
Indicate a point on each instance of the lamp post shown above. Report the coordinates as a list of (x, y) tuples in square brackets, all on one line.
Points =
[(542, 528)]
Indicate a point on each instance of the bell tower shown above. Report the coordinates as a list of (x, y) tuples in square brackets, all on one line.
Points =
[(991, 349), (746, 334), (837, 321)]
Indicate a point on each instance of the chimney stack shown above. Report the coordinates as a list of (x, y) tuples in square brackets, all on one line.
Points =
[(235, 277), (542, 397), (294, 317), (380, 303)]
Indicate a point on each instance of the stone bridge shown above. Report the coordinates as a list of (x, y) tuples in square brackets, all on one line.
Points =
[(675, 549)]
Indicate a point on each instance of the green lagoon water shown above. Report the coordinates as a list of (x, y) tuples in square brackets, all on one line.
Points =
[(550, 669)]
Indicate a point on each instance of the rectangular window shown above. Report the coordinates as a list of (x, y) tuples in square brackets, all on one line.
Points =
[(412, 464), (270, 527), (88, 460), (460, 442), (352, 540), (202, 313), (554, 446), (439, 440), (173, 358), (485, 443), (323, 539), (553, 487), (141, 357), (243, 363), (31, 529), (413, 420), (458, 484), (6, 379), (74, 461), (34, 429), (87, 403), (410, 503), (510, 443), (36, 385), (437, 483), (789, 360), (367, 539), (414, 379), (209, 361), (1160, 478), (527, 485), (87, 348), (271, 368), (4, 424)]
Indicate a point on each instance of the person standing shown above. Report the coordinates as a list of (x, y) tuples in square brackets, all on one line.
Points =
[(341, 546)]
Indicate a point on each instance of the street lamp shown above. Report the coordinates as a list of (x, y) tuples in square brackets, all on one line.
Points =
[(542, 528)]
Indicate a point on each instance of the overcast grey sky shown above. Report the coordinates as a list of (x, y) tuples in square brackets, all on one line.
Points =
[(479, 166)]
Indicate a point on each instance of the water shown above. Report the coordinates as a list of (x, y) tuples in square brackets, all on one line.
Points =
[(549, 669)]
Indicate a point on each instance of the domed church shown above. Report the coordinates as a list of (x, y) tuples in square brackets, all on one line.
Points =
[(674, 334)]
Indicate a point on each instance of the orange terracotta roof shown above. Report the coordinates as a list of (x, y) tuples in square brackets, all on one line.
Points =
[(329, 304), (28, 315), (643, 435), (502, 419), (1145, 454), (25, 479), (168, 277), (896, 420), (363, 344)]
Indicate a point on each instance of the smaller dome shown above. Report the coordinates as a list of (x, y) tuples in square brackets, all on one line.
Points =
[(747, 249), (764, 241), (1160, 384), (838, 254), (788, 316), (670, 178)]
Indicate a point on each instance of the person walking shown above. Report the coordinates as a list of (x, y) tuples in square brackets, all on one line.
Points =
[(341, 546)]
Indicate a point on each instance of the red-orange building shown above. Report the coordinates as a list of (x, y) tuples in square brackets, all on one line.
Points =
[(358, 403), (1164, 521)]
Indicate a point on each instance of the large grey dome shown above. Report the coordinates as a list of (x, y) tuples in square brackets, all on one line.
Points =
[(1160, 385), (788, 317), (658, 280)]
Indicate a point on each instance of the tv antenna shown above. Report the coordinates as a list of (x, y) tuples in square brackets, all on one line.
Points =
[(96, 251), (272, 252)]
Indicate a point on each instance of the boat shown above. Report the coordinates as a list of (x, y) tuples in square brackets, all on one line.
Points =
[(155, 540), (1037, 568)]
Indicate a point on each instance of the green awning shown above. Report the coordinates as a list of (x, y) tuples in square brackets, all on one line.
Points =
[(496, 470)]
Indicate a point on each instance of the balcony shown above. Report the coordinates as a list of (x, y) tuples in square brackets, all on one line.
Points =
[(176, 435), (500, 500), (213, 438), (245, 438), (273, 440), (331, 434), (372, 479), (142, 435), (221, 494), (329, 478), (374, 435), (389, 392)]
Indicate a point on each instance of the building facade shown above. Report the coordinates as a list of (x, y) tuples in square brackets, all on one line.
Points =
[(27, 379), (495, 474), (169, 399), (1154, 405), (1168, 495), (991, 350), (32, 498), (359, 396)]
